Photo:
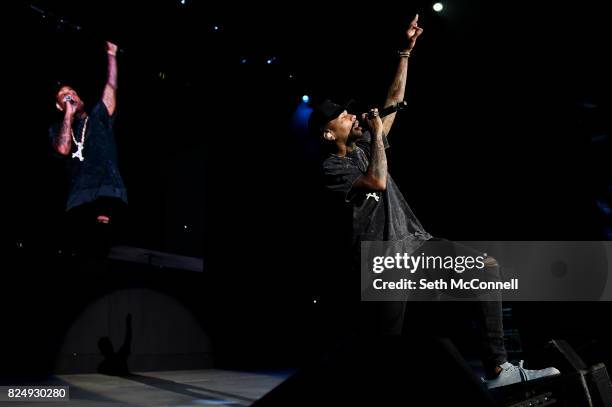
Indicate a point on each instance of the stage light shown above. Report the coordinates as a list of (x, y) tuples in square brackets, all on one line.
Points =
[(299, 121), (216, 28), (270, 60), (438, 7), (183, 2), (305, 98)]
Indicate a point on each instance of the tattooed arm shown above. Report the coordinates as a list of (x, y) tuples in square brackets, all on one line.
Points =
[(110, 89), (398, 86), (62, 143), (375, 179)]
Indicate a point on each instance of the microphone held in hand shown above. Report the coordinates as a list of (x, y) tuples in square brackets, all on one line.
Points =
[(389, 109), (69, 99)]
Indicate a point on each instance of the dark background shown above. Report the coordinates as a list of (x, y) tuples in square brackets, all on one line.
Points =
[(505, 138)]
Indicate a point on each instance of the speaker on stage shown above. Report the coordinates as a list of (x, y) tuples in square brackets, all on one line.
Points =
[(595, 381)]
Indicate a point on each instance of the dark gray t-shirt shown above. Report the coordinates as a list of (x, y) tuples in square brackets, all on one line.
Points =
[(98, 175), (375, 216)]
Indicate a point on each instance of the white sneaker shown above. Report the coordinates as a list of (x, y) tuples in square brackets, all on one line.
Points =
[(511, 374)]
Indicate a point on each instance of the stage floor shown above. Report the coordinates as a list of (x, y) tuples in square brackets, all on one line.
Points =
[(166, 388)]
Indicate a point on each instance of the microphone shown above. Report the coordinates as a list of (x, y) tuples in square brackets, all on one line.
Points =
[(389, 109), (69, 98)]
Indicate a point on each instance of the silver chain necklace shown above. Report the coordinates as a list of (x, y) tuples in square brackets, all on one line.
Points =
[(80, 145)]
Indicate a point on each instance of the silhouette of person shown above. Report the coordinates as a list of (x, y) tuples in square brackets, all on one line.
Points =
[(115, 363)]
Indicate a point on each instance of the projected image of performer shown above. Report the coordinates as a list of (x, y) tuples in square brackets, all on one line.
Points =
[(84, 139)]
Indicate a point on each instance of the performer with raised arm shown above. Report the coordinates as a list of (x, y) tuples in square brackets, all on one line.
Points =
[(356, 175), (86, 142)]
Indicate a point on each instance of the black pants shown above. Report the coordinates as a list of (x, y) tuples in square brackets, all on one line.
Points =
[(86, 235), (450, 318)]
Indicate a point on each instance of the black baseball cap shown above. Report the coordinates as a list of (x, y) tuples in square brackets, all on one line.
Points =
[(323, 113)]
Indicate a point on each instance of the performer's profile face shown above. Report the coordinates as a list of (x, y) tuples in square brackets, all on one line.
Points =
[(67, 91), (345, 127)]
